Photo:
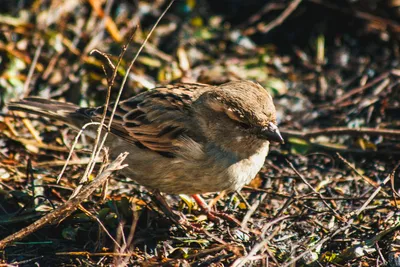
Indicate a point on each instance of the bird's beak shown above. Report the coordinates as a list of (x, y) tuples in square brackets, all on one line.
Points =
[(272, 133)]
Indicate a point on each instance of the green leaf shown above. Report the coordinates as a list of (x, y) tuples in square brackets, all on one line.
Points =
[(276, 86), (298, 146)]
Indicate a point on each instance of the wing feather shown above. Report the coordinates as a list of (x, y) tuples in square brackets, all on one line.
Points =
[(157, 119)]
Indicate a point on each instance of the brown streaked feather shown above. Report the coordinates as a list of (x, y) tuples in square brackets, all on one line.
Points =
[(65, 112), (155, 119)]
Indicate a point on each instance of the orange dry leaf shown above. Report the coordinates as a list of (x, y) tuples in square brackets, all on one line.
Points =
[(110, 25)]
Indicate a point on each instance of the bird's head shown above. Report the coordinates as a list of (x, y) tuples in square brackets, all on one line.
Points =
[(240, 114)]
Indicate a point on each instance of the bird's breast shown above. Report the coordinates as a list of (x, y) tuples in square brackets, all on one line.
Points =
[(244, 170), (211, 170)]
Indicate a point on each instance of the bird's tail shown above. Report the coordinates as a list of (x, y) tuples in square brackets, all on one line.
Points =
[(65, 112)]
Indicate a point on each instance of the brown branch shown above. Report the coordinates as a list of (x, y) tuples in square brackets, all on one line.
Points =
[(311, 198), (334, 148), (372, 197), (341, 131), (257, 16), (360, 14), (276, 22), (365, 178), (361, 88), (26, 89)]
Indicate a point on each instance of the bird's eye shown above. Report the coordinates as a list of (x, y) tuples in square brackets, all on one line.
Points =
[(244, 125), (235, 117)]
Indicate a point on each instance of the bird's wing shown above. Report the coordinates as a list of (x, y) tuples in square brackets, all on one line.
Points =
[(156, 119)]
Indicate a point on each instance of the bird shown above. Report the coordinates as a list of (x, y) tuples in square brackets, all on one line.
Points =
[(186, 138)]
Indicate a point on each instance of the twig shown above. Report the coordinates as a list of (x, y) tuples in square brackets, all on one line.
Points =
[(96, 149), (365, 178), (267, 8), (243, 260), (91, 166), (378, 249), (32, 68), (31, 142), (134, 60), (252, 209), (274, 221), (276, 22), (100, 254), (376, 191), (341, 131), (129, 240), (320, 243), (370, 152), (360, 14), (31, 129), (55, 163), (311, 198), (337, 215), (361, 88), (356, 251), (285, 205), (73, 148), (392, 183), (68, 207), (89, 214)]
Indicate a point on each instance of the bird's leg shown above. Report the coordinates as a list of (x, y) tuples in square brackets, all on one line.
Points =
[(204, 207), (163, 205), (179, 219), (182, 221), (212, 215)]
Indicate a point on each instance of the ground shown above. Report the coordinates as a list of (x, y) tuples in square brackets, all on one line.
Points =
[(327, 197)]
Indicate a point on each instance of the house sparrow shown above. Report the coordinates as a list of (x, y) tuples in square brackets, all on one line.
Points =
[(184, 138)]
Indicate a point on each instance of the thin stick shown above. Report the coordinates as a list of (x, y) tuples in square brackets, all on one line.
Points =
[(96, 150), (320, 243), (91, 166), (377, 190), (337, 215), (361, 89), (89, 214), (134, 60), (68, 207), (26, 90), (32, 68), (365, 178), (243, 260), (277, 21), (73, 148), (394, 25), (341, 131)]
